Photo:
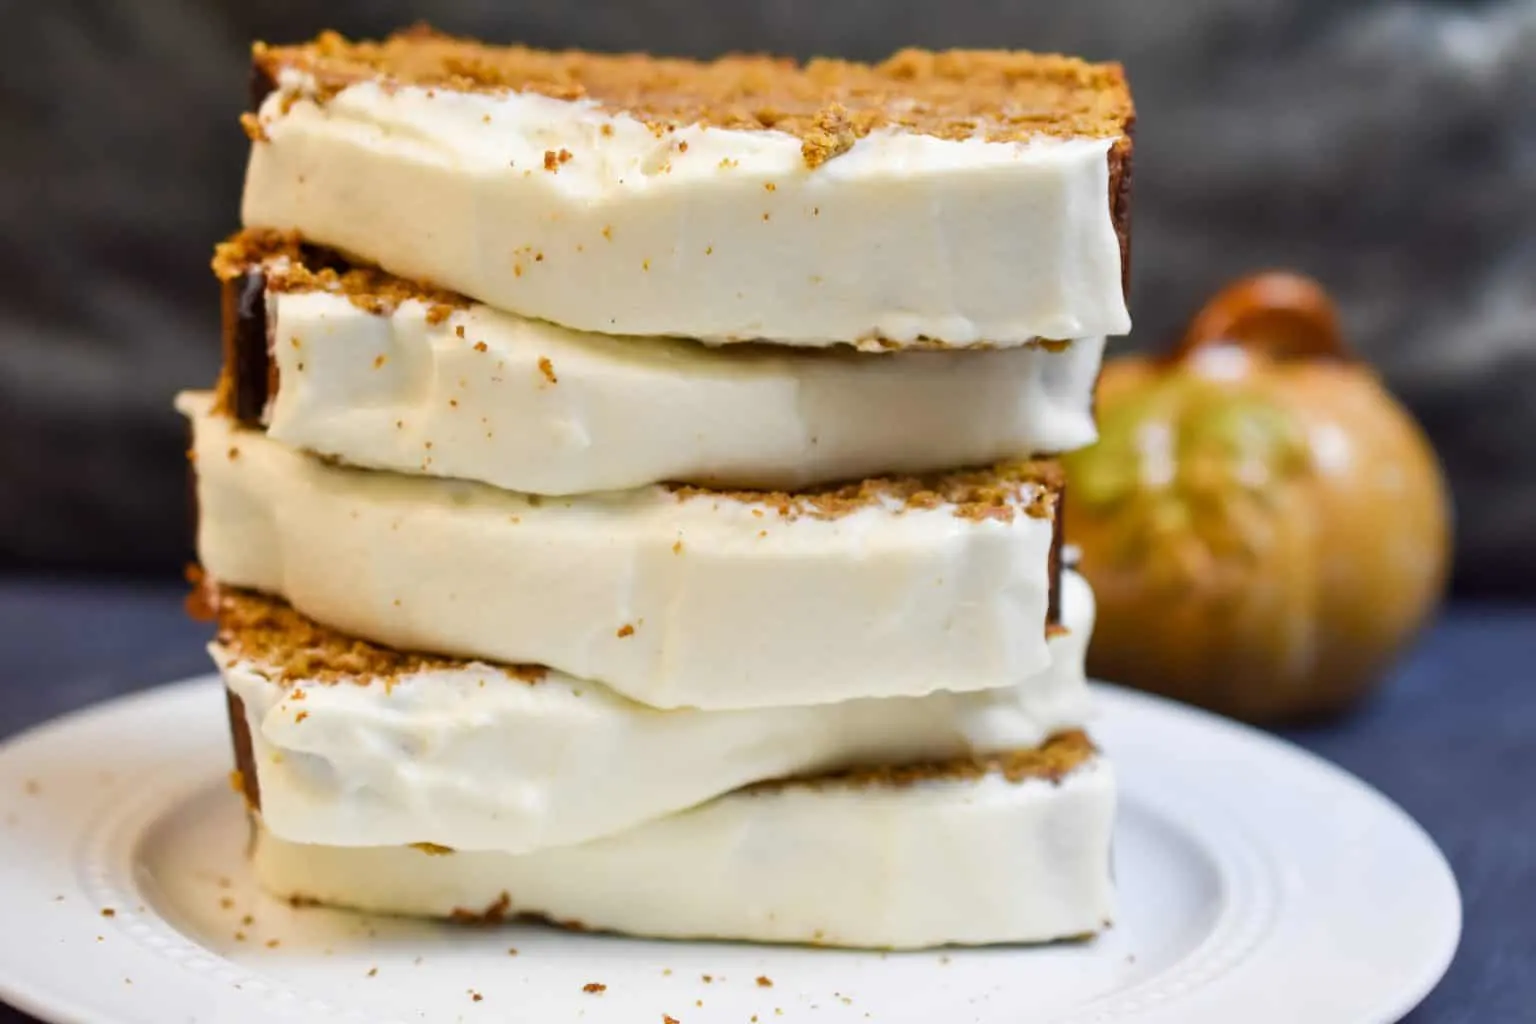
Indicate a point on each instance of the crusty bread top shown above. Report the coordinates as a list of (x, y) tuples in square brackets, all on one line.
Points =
[(993, 94)]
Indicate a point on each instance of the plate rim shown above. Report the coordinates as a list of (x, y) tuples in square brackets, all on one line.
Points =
[(1436, 963)]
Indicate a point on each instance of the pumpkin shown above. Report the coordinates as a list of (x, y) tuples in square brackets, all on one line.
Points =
[(1264, 526)]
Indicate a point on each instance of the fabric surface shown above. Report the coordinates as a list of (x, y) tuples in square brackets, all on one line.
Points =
[(1448, 739), (1383, 145)]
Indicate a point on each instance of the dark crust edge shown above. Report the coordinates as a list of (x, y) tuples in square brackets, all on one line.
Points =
[(245, 754), (1120, 177), (1053, 566), (249, 377), (262, 82)]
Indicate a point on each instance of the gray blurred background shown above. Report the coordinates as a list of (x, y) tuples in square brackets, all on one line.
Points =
[(1386, 146)]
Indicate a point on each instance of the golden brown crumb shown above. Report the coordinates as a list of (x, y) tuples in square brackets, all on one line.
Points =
[(828, 104), (831, 135), (763, 981), (594, 987), (201, 602), (373, 971), (999, 493), (481, 346), (512, 951), (108, 912), (273, 943), (547, 368), (476, 996), (667, 1018), (432, 849), (493, 914), (626, 630), (254, 129), (290, 647), (289, 265), (378, 361)]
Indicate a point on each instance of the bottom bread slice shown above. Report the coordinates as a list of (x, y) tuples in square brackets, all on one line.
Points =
[(1004, 849)]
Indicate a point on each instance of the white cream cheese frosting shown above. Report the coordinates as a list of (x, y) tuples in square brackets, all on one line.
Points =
[(529, 406), (672, 598), (713, 233), (472, 757), (934, 862)]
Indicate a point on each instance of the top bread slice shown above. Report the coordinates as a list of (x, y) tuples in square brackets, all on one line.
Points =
[(941, 199)]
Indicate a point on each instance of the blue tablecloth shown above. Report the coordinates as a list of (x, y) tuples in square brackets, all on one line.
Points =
[(1452, 739)]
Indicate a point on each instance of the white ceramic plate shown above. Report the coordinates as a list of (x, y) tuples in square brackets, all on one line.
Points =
[(1257, 884)]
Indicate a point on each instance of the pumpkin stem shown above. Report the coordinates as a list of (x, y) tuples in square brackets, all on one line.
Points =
[(1281, 314)]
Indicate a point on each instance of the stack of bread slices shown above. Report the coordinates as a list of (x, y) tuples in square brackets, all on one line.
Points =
[(628, 497)]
